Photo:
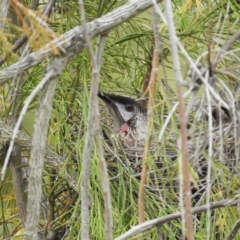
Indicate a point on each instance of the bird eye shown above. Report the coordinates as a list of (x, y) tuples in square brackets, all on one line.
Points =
[(129, 107)]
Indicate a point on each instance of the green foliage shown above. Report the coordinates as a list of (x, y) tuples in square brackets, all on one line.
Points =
[(124, 66)]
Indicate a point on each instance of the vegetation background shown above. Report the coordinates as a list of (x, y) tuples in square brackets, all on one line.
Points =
[(203, 27)]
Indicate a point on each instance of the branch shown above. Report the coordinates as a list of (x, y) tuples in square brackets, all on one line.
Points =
[(193, 65), (151, 93), (85, 201), (234, 231), (51, 158), (73, 40), (51, 203), (53, 70), (20, 118), (37, 157), (225, 48), (3, 13), (94, 125), (159, 221), (108, 218), (183, 161), (18, 184)]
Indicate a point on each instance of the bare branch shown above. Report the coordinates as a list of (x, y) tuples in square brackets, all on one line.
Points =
[(234, 231), (73, 40), (183, 161), (3, 12), (17, 161), (49, 7), (51, 158), (193, 65), (85, 201), (94, 125), (19, 121), (17, 179), (108, 218), (37, 159), (54, 68), (151, 93), (226, 47), (38, 148), (159, 227), (152, 223)]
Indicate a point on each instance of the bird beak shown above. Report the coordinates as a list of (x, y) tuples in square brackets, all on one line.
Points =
[(118, 120)]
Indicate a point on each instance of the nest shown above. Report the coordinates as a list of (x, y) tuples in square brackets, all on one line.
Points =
[(213, 140)]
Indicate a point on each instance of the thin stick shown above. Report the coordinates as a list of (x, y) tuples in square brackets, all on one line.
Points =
[(19, 121), (108, 218), (234, 231), (192, 64), (226, 47), (151, 90), (85, 203), (184, 163), (73, 40), (3, 13), (37, 158), (53, 71), (94, 125), (210, 154), (155, 222)]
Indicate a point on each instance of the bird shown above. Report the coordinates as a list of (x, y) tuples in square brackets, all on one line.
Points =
[(129, 118)]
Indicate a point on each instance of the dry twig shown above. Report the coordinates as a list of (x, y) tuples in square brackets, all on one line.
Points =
[(3, 12), (151, 93), (155, 222), (51, 158), (37, 158), (94, 125), (103, 167), (225, 48), (234, 231), (73, 40), (183, 161), (53, 69), (85, 201)]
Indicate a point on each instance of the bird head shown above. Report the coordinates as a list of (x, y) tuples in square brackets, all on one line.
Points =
[(129, 116)]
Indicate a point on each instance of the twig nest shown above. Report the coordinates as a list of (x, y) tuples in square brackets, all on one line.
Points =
[(194, 79)]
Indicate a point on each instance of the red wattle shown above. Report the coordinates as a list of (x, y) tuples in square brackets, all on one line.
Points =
[(124, 127)]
